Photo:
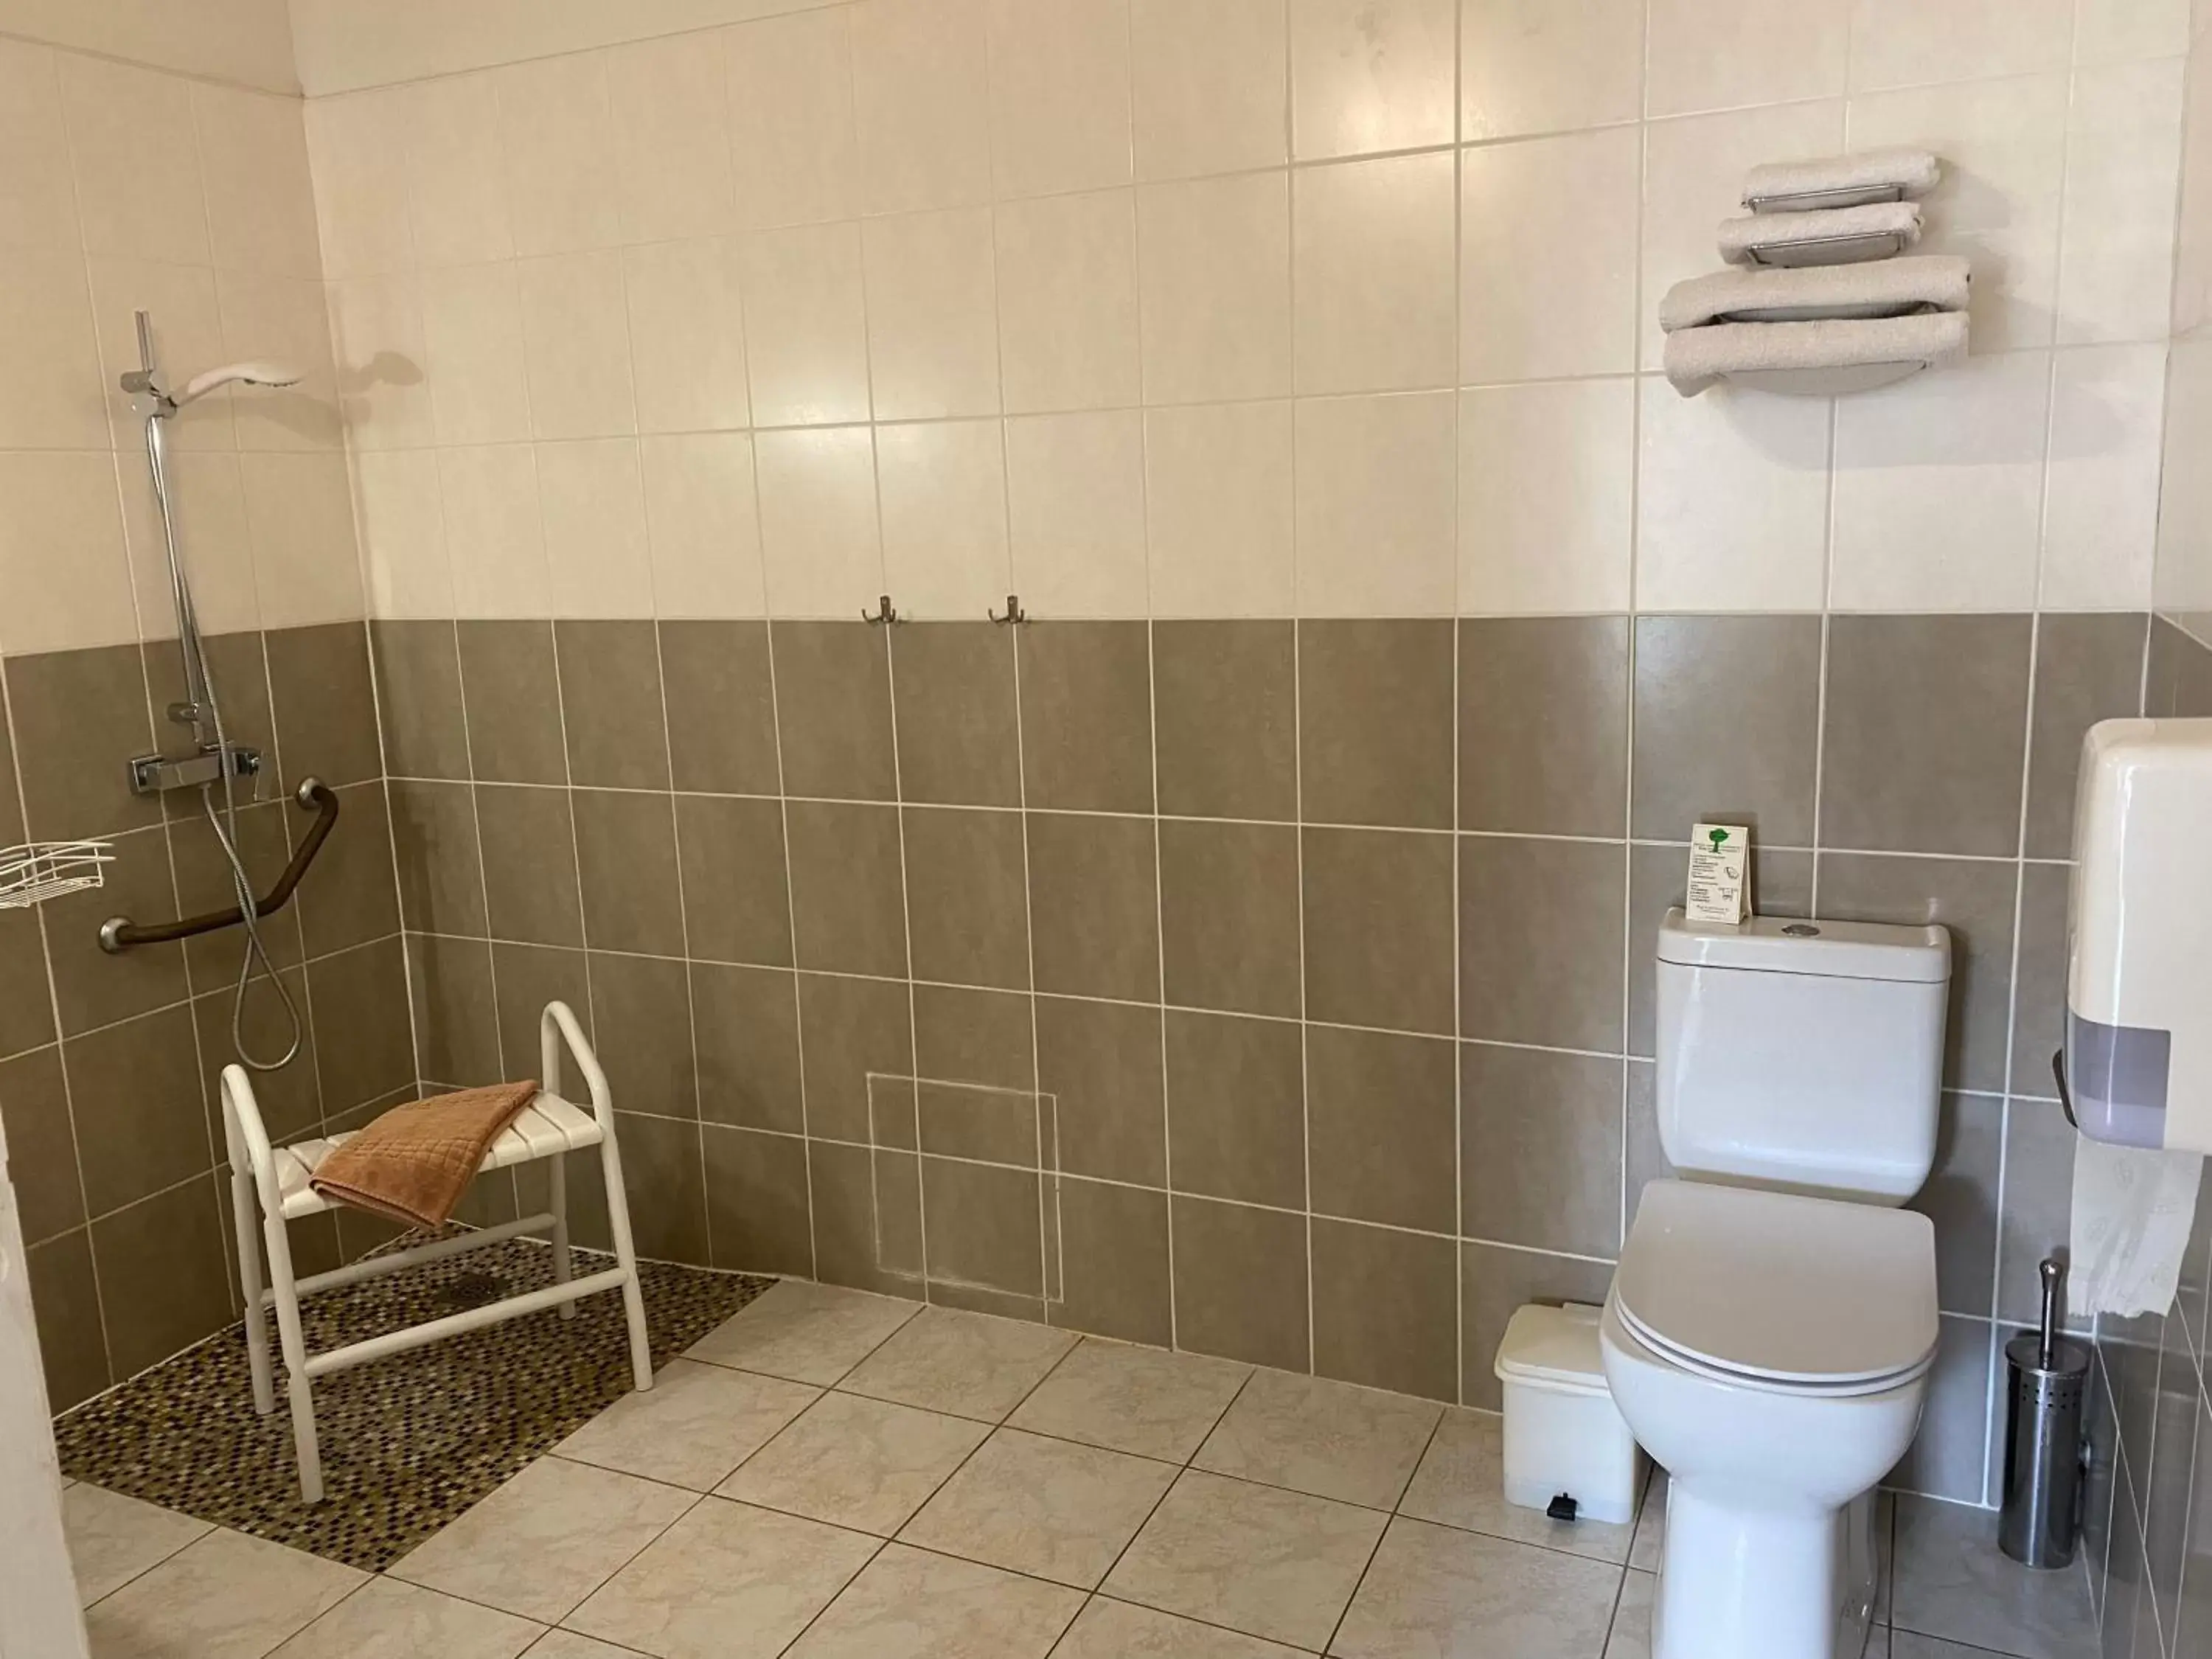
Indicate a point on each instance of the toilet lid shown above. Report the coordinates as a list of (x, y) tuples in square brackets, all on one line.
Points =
[(1780, 1286)]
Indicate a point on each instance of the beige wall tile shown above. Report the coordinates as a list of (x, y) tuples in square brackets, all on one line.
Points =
[(46, 337), (382, 364), (2114, 31), (808, 323), (1546, 497), (933, 316), (62, 553), (1904, 43), (286, 319), (211, 531), (2123, 166), (592, 500), (357, 146), (819, 540), (703, 525), (307, 566), (1371, 74), (794, 154), (187, 337), (1208, 86), (134, 195), (1531, 318), (1076, 489), (401, 521), (1067, 301), (575, 330), (490, 494), (2002, 144), (472, 334), (1060, 95), (1217, 496), (1214, 289), (260, 197), (944, 491), (921, 102), (1731, 502), (1376, 478), (671, 141), (1372, 274), (557, 155), (2100, 501), (38, 198), (1938, 494), (1548, 66), (1774, 50), (457, 193)]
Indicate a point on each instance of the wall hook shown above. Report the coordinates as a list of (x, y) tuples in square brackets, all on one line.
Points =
[(1014, 613), (885, 613)]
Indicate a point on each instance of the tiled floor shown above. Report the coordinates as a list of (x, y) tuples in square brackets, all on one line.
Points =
[(832, 1475)]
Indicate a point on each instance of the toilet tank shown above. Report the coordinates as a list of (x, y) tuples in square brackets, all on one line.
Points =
[(1802, 1055)]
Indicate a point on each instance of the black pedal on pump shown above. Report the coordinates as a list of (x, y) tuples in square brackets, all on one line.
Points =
[(1562, 1508)]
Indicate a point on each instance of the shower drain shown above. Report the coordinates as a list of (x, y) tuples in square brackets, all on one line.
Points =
[(473, 1290)]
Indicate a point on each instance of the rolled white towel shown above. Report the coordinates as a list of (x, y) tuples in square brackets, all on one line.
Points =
[(1828, 236), (1880, 288), (1897, 174), (1814, 359)]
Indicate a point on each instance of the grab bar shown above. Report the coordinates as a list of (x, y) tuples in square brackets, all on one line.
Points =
[(119, 933)]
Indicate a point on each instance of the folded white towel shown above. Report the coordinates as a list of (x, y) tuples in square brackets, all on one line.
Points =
[(1898, 174), (1828, 236), (1879, 287), (1814, 359)]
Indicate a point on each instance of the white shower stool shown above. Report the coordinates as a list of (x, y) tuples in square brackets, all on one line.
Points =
[(275, 1182)]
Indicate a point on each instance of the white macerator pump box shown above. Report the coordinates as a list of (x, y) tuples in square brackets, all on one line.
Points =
[(2138, 1055)]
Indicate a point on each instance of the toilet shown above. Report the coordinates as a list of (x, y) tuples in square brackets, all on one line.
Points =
[(1769, 1329)]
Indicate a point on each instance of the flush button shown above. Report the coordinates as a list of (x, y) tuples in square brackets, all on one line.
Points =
[(1801, 930)]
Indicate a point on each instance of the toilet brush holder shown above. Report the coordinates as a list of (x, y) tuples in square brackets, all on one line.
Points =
[(2047, 1378)]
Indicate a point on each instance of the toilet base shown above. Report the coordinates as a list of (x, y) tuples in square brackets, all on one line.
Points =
[(1741, 1582)]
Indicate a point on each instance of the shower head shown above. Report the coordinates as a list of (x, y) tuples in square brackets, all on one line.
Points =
[(146, 383)]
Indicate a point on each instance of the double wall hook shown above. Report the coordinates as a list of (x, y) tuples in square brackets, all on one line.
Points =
[(1014, 613), (885, 613)]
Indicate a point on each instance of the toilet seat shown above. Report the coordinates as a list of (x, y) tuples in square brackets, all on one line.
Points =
[(1780, 1291)]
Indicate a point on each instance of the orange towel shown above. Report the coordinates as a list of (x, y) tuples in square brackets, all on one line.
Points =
[(413, 1163)]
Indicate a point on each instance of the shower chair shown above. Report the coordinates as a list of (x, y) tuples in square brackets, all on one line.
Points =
[(273, 1182)]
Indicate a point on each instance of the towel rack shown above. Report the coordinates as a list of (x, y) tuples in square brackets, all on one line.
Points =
[(119, 933)]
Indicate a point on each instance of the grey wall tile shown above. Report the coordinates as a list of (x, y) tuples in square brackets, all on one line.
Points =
[(720, 702), (1493, 1282), (1099, 1064), (456, 1013), (1781, 885), (626, 856), (849, 1028), (68, 705), (1227, 719), (866, 1208), (371, 1053), (1379, 1111), (1644, 1156), (2178, 676), (512, 692), (325, 699), (2039, 1203), (164, 1274), (134, 1088), (1728, 724), (11, 798), (42, 1154), (967, 909), (1229, 915), (1974, 900), (1237, 1108), (746, 1025), (526, 977), (1946, 1458), (2088, 668), (1543, 725), (981, 1228), (347, 896), (1115, 1278), (418, 698), (641, 1028), (1377, 915), (664, 1180), (529, 838), (959, 741), (833, 702), (975, 1056), (205, 885), (1383, 1309), (1375, 722), (2167, 1498), (757, 1204), (1960, 1197), (1086, 700), (1094, 905), (1240, 1283), (848, 888), (66, 1301), (1541, 947), (92, 988), (441, 876), (290, 1098), (26, 1013), (610, 707), (1926, 724), (2038, 1019), (238, 664), (1541, 1149), (737, 892)]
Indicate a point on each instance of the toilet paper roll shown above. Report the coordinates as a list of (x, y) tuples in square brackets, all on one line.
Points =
[(2133, 1211)]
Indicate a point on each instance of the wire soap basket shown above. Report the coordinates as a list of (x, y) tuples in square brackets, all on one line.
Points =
[(41, 870)]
